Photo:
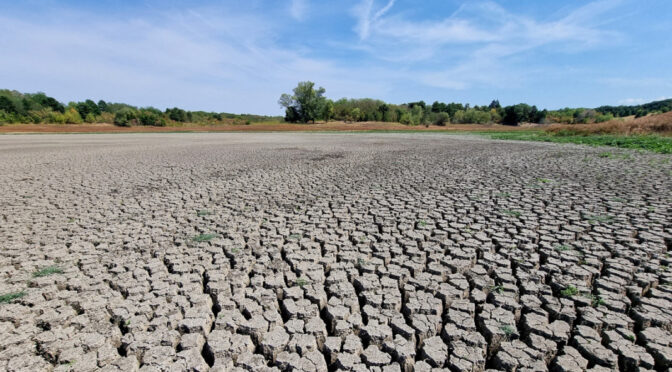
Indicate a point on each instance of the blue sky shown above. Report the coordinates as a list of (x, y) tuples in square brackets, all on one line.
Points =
[(239, 56)]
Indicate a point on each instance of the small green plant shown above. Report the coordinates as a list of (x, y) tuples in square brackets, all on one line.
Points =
[(235, 250), (69, 363), (596, 301), (203, 237), (508, 330), (127, 323), (631, 338), (511, 213), (361, 262), (71, 220), (618, 200), (203, 212), (51, 270), (605, 155), (422, 223), (497, 288), (294, 236), (503, 195), (301, 282), (569, 291), (562, 247), (9, 297), (543, 180)]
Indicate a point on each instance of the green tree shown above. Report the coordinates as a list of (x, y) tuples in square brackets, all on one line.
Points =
[(125, 117), (7, 105), (356, 114), (442, 118), (384, 109), (327, 110), (306, 102), (520, 113), (102, 106)]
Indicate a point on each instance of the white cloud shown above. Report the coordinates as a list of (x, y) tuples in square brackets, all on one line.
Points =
[(200, 59), (363, 13), (298, 9), (639, 101), (476, 41), (632, 101)]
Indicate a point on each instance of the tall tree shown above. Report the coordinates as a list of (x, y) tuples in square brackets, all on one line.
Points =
[(305, 104)]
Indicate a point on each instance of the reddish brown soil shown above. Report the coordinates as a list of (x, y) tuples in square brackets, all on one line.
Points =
[(257, 127)]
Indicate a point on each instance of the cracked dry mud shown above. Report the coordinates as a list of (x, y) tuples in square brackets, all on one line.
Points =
[(324, 252)]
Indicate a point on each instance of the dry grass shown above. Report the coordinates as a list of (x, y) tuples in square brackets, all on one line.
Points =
[(654, 124)]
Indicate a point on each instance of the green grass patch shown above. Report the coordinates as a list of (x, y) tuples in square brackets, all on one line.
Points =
[(203, 237), (511, 213), (203, 212), (301, 282), (497, 288), (9, 297), (508, 330), (51, 270), (659, 144), (562, 247), (569, 291)]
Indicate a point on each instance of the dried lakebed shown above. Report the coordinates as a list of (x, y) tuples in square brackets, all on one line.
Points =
[(316, 252)]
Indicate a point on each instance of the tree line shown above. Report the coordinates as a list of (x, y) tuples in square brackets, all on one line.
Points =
[(16, 107), (308, 104)]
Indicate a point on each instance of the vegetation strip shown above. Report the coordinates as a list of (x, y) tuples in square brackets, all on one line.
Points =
[(659, 144)]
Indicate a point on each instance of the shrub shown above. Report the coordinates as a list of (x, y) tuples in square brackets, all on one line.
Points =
[(442, 118), (125, 117), (151, 118), (405, 118), (72, 116), (56, 117)]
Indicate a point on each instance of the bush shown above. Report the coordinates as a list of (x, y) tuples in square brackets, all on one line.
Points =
[(106, 117), (442, 118), (151, 118), (406, 118), (603, 117), (72, 116), (56, 118), (125, 118)]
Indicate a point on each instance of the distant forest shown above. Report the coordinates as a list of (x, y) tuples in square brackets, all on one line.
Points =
[(38, 108), (307, 104)]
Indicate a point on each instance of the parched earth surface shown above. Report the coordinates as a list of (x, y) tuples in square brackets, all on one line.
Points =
[(325, 252)]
